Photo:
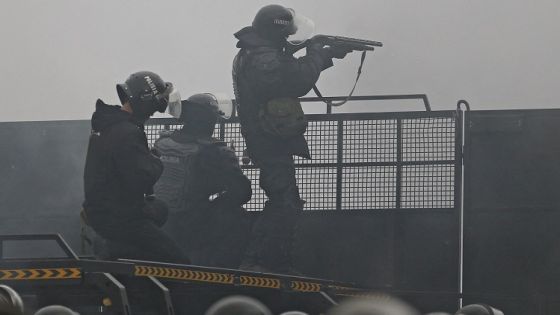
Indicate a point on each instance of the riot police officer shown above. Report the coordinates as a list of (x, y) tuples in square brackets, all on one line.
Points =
[(120, 172), (268, 79), (203, 184)]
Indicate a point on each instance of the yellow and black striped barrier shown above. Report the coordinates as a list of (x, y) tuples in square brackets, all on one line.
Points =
[(40, 274), (260, 282), (184, 274), (305, 286), (228, 277), (50, 271)]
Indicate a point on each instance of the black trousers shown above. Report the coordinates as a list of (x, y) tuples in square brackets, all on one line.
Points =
[(272, 233), (211, 236), (138, 238)]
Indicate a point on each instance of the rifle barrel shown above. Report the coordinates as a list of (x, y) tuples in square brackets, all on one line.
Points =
[(358, 41)]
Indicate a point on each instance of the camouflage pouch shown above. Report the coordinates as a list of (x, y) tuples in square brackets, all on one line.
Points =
[(283, 117)]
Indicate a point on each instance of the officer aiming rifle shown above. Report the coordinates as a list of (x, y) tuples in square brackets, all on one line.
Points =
[(268, 80)]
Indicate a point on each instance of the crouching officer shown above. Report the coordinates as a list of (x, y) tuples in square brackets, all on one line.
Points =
[(203, 184), (120, 172), (268, 79)]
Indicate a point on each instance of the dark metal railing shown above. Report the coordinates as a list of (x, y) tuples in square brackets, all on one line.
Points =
[(365, 161), (38, 237), (394, 97)]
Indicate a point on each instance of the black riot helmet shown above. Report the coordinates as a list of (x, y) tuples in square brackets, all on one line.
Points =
[(146, 92), (238, 304), (202, 106), (55, 310), (479, 309), (376, 304), (201, 111), (275, 22), (10, 301)]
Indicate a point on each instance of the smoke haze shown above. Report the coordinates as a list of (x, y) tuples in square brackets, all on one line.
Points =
[(59, 56)]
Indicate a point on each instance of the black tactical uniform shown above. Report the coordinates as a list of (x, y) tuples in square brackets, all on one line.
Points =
[(119, 172), (204, 187), (263, 71)]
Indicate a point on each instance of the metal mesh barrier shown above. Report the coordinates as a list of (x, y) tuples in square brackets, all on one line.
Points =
[(365, 161), (369, 187), (428, 186), (428, 147), (428, 139)]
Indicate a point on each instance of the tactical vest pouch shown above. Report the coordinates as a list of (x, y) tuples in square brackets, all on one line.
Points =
[(283, 117)]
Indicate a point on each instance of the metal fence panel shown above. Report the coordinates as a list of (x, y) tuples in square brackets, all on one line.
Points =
[(365, 161)]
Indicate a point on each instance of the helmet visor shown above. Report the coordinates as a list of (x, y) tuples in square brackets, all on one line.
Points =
[(174, 103), (169, 95), (224, 105), (303, 30)]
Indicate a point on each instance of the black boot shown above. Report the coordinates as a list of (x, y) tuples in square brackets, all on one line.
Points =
[(272, 237)]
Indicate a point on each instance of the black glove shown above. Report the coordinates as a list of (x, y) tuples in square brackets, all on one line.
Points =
[(156, 210), (318, 49), (338, 52)]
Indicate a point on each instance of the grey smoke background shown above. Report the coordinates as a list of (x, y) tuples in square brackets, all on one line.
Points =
[(58, 56)]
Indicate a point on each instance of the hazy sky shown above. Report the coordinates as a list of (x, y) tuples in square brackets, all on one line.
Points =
[(59, 56)]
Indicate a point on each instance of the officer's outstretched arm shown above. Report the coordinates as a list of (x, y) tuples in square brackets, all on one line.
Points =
[(304, 71), (237, 190), (222, 166), (280, 75)]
